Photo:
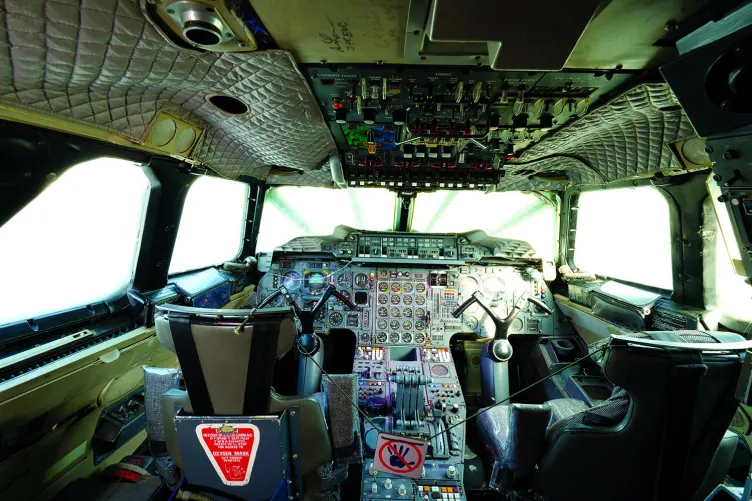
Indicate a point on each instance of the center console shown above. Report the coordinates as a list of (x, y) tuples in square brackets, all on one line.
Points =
[(412, 391)]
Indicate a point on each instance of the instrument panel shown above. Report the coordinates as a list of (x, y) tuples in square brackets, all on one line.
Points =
[(411, 306)]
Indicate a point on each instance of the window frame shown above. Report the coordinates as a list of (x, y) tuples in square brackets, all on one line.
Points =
[(568, 234)]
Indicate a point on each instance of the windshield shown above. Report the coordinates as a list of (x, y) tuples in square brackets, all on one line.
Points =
[(292, 211), (515, 215)]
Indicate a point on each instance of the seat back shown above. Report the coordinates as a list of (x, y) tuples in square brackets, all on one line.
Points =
[(225, 376), (621, 450), (226, 373)]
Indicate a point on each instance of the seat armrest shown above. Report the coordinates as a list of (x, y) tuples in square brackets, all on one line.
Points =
[(173, 400), (527, 438)]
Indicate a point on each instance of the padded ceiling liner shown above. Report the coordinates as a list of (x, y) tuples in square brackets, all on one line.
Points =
[(626, 138), (102, 63)]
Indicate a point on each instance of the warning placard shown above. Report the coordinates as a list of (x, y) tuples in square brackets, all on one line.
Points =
[(399, 455), (231, 448)]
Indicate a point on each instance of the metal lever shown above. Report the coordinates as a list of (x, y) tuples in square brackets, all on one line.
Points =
[(540, 304), (499, 350), (282, 291)]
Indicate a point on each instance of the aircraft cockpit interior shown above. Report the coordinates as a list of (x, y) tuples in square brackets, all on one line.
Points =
[(407, 250)]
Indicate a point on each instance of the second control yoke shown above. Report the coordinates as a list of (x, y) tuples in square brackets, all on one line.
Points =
[(500, 350)]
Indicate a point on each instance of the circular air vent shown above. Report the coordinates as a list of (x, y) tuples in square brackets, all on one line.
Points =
[(227, 104)]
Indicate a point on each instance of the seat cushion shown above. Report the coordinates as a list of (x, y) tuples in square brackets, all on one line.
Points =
[(562, 408)]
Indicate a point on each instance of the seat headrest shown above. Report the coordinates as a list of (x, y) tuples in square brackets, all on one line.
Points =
[(217, 327)]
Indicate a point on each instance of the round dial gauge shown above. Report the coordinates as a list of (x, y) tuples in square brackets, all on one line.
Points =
[(407, 337), (407, 300), (394, 325), (383, 299), (493, 288), (335, 318), (420, 313), (292, 280), (407, 325), (383, 311), (396, 287), (316, 282), (419, 338), (439, 370), (394, 337), (407, 312), (407, 288), (420, 325), (420, 287), (382, 323), (468, 285), (420, 300), (395, 312), (343, 279), (472, 322), (365, 338), (395, 299), (361, 279), (383, 286), (383, 273), (381, 337), (517, 325)]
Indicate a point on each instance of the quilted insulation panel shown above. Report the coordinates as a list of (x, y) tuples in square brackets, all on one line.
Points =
[(628, 137), (102, 63)]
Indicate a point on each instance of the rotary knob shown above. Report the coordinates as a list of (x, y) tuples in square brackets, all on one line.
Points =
[(401, 490), (451, 472), (374, 488)]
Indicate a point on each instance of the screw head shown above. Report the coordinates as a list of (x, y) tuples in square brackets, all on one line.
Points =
[(717, 178), (170, 11)]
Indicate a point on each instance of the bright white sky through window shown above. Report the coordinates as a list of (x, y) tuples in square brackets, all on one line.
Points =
[(212, 225), (76, 243), (291, 211)]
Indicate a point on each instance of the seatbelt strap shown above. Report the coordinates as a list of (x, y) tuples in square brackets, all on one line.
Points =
[(688, 370), (261, 363), (185, 347)]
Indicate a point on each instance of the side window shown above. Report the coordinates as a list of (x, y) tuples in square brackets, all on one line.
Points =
[(212, 226), (726, 291), (76, 243), (625, 234)]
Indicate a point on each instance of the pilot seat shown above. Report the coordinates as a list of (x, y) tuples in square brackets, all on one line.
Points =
[(676, 393), (227, 360)]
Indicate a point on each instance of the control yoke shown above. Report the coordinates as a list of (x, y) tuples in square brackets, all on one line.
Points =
[(500, 350), (308, 340)]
